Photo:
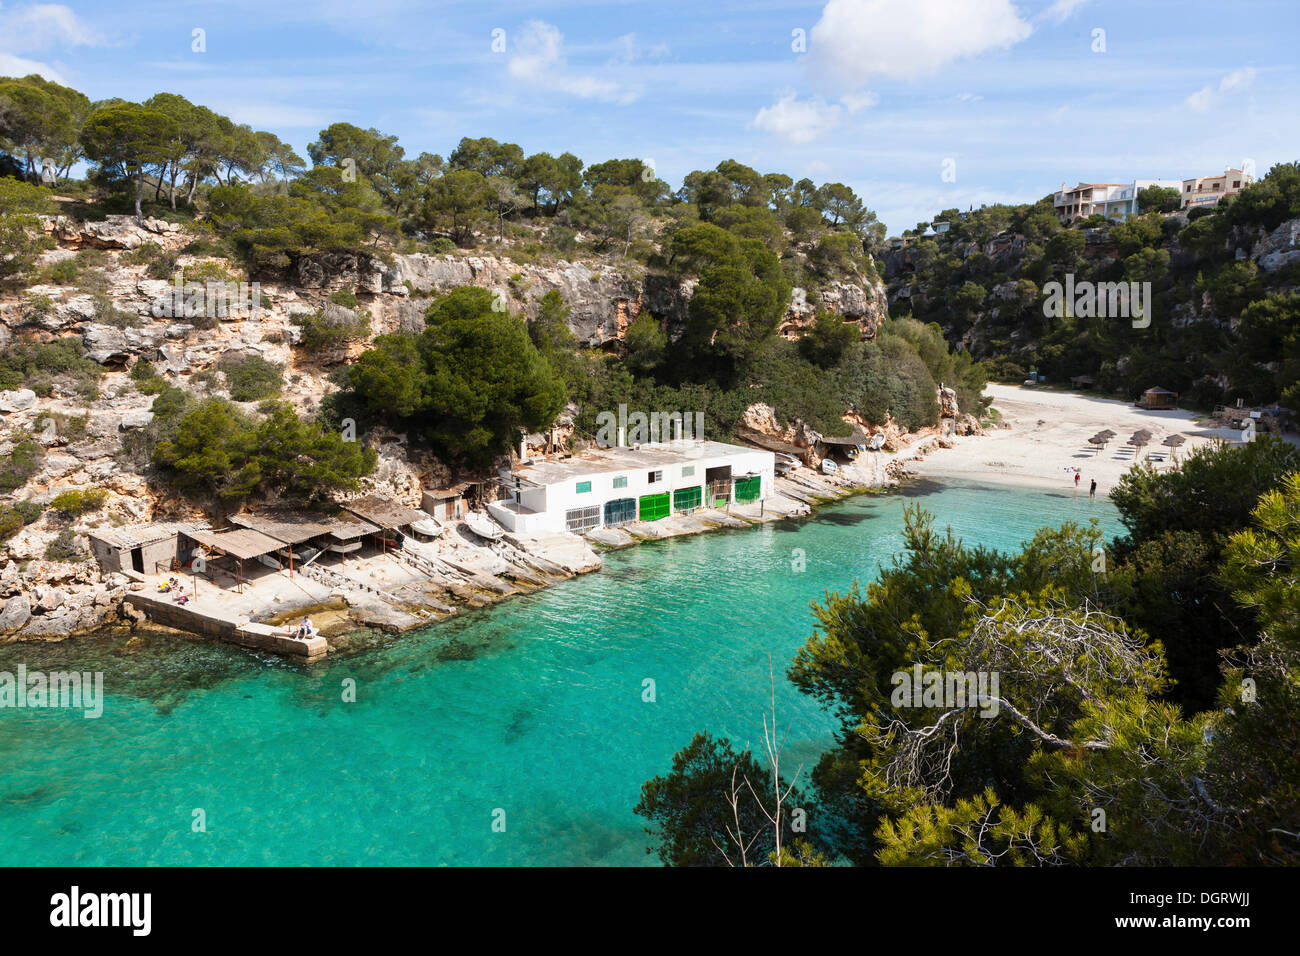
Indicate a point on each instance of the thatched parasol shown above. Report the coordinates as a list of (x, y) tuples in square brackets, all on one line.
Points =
[(1140, 438), (1172, 442)]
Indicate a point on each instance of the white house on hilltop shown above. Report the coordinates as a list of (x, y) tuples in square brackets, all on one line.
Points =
[(613, 486), (1112, 200)]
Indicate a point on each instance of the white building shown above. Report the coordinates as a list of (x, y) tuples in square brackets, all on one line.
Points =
[(1112, 200), (614, 486)]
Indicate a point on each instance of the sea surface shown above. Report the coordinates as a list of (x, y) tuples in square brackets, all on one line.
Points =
[(545, 713)]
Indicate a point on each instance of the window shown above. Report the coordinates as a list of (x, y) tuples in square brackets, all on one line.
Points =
[(582, 519), (656, 476), (1236, 184), (620, 481), (688, 470), (584, 486)]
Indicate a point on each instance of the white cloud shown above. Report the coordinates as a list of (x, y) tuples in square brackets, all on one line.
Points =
[(856, 102), (857, 39), (1062, 10), (41, 26), (1208, 96), (799, 121), (11, 65), (539, 61)]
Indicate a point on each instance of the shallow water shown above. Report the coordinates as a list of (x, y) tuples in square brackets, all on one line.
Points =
[(533, 707)]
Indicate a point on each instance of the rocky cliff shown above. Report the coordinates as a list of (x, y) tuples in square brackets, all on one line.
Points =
[(119, 322)]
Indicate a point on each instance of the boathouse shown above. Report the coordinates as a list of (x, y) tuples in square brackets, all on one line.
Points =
[(224, 552), (393, 519), (305, 536), (141, 549), (607, 487)]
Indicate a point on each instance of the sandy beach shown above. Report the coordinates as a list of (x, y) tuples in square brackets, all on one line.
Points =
[(1048, 438)]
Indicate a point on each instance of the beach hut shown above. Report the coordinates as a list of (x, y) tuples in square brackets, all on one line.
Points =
[(1156, 397)]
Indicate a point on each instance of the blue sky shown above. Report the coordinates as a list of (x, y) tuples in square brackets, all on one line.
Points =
[(1011, 97)]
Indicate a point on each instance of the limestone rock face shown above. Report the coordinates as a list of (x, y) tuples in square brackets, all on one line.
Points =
[(18, 400), (17, 612), (1279, 248), (114, 232)]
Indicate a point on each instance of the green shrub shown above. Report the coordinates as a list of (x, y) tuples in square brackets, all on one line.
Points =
[(346, 298), (107, 312), (253, 379), (146, 378), (11, 522), (70, 428), (64, 548), (76, 502), (20, 464), (30, 510), (323, 332), (35, 366), (63, 272)]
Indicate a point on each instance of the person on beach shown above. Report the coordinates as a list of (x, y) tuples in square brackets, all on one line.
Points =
[(1077, 478), (1092, 490)]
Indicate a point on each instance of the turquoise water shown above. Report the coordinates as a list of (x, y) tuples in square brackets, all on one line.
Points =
[(533, 707)]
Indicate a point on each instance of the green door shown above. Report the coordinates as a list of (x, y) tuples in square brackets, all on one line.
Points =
[(685, 499), (653, 507), (748, 489)]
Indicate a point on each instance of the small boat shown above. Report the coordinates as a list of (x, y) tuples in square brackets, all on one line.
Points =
[(482, 525), (299, 555), (785, 463), (877, 442), (345, 547), (829, 467), (427, 527)]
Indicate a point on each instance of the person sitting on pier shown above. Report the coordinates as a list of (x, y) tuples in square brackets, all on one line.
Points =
[(304, 629)]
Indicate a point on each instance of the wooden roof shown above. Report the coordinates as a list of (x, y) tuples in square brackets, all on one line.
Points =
[(296, 527), (242, 543), (383, 512)]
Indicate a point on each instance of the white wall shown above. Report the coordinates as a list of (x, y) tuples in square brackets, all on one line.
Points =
[(554, 501)]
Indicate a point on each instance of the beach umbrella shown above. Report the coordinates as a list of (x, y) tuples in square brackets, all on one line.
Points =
[(1172, 442), (1097, 441), (1107, 433), (1140, 438)]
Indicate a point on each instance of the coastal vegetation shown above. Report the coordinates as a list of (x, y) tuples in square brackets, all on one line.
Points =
[(1146, 707), (1222, 326)]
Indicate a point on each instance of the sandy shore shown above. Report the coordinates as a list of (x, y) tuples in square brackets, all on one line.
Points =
[(1048, 439)]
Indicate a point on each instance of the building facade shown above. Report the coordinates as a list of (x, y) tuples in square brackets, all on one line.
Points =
[(1113, 200), (1204, 192), (615, 486)]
